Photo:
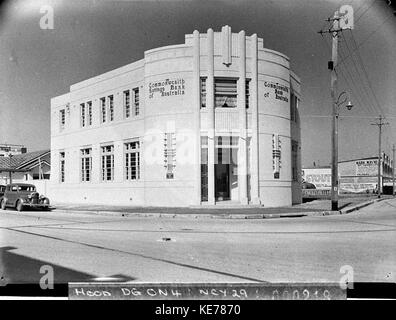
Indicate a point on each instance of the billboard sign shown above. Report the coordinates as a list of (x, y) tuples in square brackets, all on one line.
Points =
[(366, 167), (320, 177)]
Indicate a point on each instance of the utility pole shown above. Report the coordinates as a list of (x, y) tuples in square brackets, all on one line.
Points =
[(343, 19), (393, 170), (334, 126), (380, 123)]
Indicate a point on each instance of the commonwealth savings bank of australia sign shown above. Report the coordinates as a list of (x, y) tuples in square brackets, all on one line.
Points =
[(167, 88)]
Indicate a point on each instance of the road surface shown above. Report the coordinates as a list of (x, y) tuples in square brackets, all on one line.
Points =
[(89, 247)]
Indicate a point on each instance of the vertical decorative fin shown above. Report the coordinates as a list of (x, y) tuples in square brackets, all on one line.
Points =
[(226, 39)]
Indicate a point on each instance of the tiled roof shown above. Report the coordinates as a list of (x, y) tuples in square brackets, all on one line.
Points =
[(19, 160)]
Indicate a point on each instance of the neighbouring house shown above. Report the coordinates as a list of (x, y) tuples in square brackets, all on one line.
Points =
[(33, 167)]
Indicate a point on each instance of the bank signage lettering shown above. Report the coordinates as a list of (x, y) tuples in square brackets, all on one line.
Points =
[(167, 88), (281, 91)]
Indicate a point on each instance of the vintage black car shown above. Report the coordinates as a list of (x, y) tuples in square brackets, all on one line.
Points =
[(23, 195)]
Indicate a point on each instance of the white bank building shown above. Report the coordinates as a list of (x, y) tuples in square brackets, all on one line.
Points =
[(211, 121)]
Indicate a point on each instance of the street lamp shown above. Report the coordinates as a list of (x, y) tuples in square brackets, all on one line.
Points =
[(334, 140)]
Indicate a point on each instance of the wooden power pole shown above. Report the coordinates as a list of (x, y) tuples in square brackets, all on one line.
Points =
[(380, 123), (393, 170)]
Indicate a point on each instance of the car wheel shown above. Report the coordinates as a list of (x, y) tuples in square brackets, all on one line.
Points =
[(3, 204), (19, 205)]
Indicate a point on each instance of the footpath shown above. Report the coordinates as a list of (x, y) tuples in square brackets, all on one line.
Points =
[(347, 204)]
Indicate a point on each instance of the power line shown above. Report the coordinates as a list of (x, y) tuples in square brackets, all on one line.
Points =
[(365, 73), (346, 80), (364, 12), (356, 88), (363, 93), (372, 106), (353, 87), (369, 36)]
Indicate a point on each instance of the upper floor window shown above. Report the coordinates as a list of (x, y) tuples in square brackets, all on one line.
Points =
[(203, 92), (111, 107), (136, 101), (89, 113), (86, 164), (62, 118), (103, 111), (107, 166), (82, 115), (225, 93), (127, 103), (247, 92)]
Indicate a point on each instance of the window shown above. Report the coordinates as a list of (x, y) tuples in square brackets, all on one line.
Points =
[(103, 113), (107, 153), (89, 112), (37, 176), (276, 155), (86, 164), (225, 93), (127, 103), (293, 107), (132, 160), (294, 160), (62, 166), (247, 92), (136, 101), (82, 115), (111, 107), (204, 168), (203, 92), (62, 118), (170, 154), (27, 188)]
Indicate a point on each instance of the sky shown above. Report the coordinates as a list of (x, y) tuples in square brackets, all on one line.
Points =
[(90, 37)]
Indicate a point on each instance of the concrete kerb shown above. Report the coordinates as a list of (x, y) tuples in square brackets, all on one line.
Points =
[(360, 205), (222, 216), (197, 216)]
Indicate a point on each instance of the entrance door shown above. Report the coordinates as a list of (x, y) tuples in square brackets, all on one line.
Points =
[(222, 181)]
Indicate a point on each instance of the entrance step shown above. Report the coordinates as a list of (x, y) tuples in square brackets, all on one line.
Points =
[(227, 204)]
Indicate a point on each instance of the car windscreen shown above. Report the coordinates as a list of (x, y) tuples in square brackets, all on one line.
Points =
[(27, 188)]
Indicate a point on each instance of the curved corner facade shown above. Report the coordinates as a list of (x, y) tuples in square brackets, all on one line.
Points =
[(210, 121)]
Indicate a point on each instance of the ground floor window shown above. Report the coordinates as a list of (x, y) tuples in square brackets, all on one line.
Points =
[(132, 160), (37, 176), (170, 154), (276, 155), (86, 164), (204, 168), (62, 166), (294, 149), (107, 164)]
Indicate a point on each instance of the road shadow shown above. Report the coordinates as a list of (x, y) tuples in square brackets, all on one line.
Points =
[(20, 276), (19, 269), (344, 205)]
